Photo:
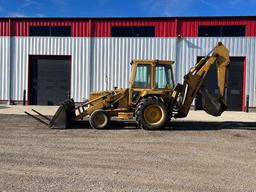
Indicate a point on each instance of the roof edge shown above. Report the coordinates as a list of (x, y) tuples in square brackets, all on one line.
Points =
[(121, 18)]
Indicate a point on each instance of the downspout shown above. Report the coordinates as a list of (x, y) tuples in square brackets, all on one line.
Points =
[(176, 49), (90, 62), (9, 79)]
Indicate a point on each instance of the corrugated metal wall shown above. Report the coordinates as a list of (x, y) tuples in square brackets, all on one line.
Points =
[(78, 48), (81, 68), (112, 57), (190, 48), (4, 67), (94, 59)]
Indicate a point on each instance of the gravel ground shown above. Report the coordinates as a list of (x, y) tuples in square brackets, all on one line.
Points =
[(190, 156)]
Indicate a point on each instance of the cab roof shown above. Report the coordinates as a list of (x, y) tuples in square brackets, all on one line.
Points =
[(148, 61)]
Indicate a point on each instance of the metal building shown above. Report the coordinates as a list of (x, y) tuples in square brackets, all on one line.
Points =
[(50, 58)]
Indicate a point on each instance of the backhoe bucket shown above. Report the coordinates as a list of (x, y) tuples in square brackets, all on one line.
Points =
[(211, 105), (64, 116)]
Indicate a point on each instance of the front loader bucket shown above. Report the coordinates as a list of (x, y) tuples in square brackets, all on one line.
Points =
[(62, 119), (211, 105), (64, 116)]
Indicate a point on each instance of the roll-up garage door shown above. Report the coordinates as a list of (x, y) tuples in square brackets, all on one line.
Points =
[(49, 79)]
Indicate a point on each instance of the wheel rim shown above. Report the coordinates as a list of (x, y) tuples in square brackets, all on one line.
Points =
[(100, 120), (153, 114)]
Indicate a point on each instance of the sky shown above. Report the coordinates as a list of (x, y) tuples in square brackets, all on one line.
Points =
[(128, 8)]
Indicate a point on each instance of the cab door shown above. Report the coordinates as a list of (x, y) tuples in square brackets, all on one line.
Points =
[(141, 80)]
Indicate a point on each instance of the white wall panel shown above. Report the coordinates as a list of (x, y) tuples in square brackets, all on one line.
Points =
[(80, 86), (111, 58), (94, 59), (4, 67)]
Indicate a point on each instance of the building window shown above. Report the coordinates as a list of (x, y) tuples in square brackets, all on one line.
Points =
[(133, 31), (50, 31), (221, 31)]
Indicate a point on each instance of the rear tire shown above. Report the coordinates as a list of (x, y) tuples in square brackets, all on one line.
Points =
[(99, 119), (151, 113)]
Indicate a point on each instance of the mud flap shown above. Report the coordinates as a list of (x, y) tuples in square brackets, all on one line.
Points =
[(210, 104), (64, 116)]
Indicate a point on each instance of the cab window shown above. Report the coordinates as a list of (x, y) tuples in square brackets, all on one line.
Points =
[(143, 76), (164, 79)]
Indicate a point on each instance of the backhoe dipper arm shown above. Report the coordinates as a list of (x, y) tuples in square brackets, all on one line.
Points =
[(193, 81)]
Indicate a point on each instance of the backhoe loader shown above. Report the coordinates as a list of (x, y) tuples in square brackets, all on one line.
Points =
[(152, 97)]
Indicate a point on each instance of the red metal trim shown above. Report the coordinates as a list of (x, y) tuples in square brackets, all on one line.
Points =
[(78, 28), (10, 25), (176, 27), (98, 27), (89, 32), (244, 85), (28, 80), (5, 27), (189, 27), (163, 28)]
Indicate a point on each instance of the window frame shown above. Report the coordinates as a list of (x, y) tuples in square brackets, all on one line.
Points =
[(149, 86), (172, 82), (220, 29), (131, 30), (50, 28)]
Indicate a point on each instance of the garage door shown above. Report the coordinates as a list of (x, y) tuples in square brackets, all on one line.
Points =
[(49, 81), (235, 84)]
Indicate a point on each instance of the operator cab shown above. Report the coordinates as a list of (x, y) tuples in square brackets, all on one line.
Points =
[(150, 76)]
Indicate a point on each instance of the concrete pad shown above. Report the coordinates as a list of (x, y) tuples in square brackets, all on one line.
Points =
[(226, 116), (19, 109), (192, 116)]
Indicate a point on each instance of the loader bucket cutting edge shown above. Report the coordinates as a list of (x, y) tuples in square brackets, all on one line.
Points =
[(64, 116)]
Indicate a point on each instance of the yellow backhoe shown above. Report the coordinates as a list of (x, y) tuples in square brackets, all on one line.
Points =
[(152, 98)]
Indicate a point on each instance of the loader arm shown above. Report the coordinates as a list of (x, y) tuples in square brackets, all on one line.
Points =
[(184, 94)]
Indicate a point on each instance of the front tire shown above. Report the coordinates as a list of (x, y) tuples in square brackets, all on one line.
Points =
[(99, 119), (151, 113)]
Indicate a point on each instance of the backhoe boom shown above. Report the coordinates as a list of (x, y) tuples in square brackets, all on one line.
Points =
[(193, 83)]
